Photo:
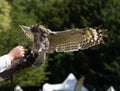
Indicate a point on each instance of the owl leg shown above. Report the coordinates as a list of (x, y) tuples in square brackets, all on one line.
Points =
[(44, 46)]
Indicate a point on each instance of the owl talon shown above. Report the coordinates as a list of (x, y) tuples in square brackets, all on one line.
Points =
[(40, 50)]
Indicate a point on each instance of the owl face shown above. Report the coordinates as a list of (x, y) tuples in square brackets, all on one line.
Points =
[(39, 37), (39, 32)]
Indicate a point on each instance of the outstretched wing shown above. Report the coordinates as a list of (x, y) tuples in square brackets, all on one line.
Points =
[(27, 32), (75, 39)]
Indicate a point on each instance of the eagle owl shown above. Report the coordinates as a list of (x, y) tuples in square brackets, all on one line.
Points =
[(44, 40)]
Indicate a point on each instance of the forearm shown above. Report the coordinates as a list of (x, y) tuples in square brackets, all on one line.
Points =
[(18, 65)]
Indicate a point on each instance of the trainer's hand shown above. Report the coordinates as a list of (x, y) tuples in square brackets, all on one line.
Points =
[(16, 53)]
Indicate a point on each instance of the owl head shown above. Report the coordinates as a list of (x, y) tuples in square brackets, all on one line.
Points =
[(37, 33), (39, 28), (35, 29)]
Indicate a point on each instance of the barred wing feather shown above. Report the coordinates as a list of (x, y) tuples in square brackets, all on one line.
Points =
[(75, 39)]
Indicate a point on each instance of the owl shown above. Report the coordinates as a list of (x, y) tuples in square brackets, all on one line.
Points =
[(46, 41)]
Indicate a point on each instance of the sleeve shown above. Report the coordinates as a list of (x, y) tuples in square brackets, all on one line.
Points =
[(5, 63)]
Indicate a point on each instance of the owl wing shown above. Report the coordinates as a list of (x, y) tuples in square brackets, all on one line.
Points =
[(27, 32), (75, 39)]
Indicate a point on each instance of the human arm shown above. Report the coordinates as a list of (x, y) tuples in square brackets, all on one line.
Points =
[(14, 54), (24, 62)]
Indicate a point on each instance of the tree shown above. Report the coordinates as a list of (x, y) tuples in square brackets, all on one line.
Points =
[(5, 19), (99, 64)]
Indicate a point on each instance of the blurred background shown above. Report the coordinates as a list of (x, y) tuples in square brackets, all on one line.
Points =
[(100, 64)]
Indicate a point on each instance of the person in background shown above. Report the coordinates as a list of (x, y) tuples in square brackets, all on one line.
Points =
[(5, 60)]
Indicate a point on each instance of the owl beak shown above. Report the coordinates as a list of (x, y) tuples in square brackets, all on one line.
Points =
[(25, 28)]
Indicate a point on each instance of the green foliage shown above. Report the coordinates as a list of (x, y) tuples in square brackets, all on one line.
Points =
[(33, 76), (99, 64), (5, 19)]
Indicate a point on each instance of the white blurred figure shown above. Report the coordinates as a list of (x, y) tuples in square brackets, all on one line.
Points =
[(111, 89), (18, 88), (67, 85), (83, 89)]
